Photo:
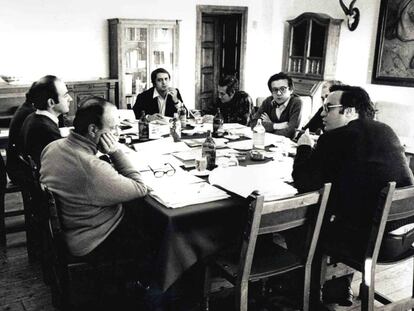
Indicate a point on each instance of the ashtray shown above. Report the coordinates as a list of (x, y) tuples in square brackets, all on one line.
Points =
[(257, 155)]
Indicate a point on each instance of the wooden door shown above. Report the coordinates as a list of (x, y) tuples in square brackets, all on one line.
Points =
[(220, 53), (210, 58)]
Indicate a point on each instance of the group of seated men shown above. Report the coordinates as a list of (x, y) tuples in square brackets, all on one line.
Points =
[(355, 153), (280, 112)]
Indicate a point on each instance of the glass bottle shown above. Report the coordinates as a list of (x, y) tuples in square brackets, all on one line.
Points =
[(182, 113), (208, 150), (175, 129), (143, 127), (259, 135), (218, 124)]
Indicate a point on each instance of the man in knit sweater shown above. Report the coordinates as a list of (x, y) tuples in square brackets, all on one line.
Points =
[(51, 99), (89, 190), (281, 112)]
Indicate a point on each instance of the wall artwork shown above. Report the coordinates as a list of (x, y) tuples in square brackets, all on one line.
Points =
[(394, 52)]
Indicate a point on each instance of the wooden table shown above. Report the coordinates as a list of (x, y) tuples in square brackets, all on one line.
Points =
[(187, 235)]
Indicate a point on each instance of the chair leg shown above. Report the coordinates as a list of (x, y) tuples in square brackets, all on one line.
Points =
[(206, 287), (412, 285), (367, 289), (306, 287), (2, 221), (241, 295), (318, 275)]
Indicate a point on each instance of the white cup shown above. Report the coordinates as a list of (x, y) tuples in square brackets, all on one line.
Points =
[(201, 164)]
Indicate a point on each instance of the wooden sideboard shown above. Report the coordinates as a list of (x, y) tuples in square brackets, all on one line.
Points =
[(12, 96)]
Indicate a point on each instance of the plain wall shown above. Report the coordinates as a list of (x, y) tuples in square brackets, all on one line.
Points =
[(70, 39)]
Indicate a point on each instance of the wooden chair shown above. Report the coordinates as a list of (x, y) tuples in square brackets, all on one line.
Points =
[(242, 267), (394, 204), (7, 187), (66, 269)]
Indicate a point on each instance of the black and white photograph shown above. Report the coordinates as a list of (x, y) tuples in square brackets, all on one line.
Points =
[(204, 155)]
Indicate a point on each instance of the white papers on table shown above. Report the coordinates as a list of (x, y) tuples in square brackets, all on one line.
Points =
[(194, 153), (181, 189), (266, 178), (161, 146), (141, 160), (194, 142), (241, 145), (157, 130), (126, 114), (187, 155), (232, 126), (192, 194)]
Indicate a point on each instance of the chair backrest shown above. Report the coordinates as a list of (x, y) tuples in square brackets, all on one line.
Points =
[(3, 174), (394, 204), (31, 186), (53, 225), (289, 213)]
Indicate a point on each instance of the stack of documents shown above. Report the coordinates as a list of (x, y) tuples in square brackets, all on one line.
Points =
[(267, 178), (181, 189), (161, 146)]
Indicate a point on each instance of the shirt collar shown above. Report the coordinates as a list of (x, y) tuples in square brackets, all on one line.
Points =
[(283, 105), (156, 94), (49, 115)]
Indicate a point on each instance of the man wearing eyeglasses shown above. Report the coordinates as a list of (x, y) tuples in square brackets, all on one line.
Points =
[(358, 156), (315, 124), (281, 112)]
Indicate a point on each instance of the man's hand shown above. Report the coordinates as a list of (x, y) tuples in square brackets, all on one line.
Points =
[(173, 92), (305, 139), (108, 143), (265, 118)]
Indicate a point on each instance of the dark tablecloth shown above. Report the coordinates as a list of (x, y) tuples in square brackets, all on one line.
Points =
[(187, 235)]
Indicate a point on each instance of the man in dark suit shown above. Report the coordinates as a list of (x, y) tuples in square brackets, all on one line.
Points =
[(51, 99), (160, 100), (14, 148), (358, 156)]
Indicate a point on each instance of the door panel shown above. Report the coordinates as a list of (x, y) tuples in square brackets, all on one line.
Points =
[(230, 45), (209, 61), (220, 44)]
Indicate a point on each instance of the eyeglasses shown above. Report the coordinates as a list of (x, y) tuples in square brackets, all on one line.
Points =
[(281, 90), (168, 170), (327, 108)]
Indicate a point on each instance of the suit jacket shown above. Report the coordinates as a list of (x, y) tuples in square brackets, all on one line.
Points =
[(37, 132), (358, 159), (146, 101), (14, 148)]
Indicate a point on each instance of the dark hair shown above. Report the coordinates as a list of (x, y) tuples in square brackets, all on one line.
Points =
[(231, 82), (280, 76), (90, 111), (332, 82), (157, 71), (355, 97), (43, 90)]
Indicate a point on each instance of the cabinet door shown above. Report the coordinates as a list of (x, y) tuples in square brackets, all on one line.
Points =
[(137, 47), (298, 47), (135, 58), (162, 48)]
